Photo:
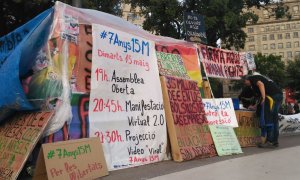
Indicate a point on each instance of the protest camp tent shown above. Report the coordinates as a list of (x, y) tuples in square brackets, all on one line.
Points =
[(39, 70), (47, 64)]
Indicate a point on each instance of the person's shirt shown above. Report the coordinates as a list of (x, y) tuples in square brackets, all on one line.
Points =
[(271, 88)]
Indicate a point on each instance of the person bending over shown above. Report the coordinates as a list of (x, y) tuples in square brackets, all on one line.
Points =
[(264, 87)]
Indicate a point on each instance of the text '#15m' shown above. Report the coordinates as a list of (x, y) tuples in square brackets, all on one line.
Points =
[(134, 45)]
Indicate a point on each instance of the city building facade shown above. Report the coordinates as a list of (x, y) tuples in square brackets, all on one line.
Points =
[(133, 15), (269, 35), (275, 36)]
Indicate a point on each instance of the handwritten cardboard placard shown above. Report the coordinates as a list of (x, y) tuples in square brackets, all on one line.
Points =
[(171, 65), (248, 132), (187, 125), (75, 159), (225, 140), (18, 137), (220, 63), (126, 106), (220, 112)]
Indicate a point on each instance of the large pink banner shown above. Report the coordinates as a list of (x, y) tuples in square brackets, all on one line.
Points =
[(222, 63)]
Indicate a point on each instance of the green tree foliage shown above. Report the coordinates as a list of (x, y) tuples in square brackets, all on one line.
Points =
[(14, 13), (108, 6), (280, 10), (162, 17), (272, 67), (224, 19), (293, 76)]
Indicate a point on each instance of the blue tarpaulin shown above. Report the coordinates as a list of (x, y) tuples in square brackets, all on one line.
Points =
[(18, 50)]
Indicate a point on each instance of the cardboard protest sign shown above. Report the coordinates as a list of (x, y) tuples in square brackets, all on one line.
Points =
[(18, 137), (220, 112), (225, 140), (75, 159), (187, 125), (222, 63), (189, 56), (195, 28), (126, 106), (248, 132), (171, 65)]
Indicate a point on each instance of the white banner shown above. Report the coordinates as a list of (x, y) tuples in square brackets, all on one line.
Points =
[(249, 59), (220, 112), (126, 105), (289, 124), (221, 63)]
